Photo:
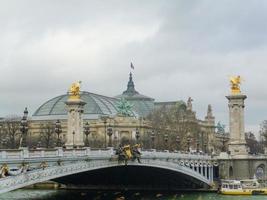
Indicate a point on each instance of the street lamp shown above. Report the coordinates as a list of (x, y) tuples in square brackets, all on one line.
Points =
[(166, 138), (73, 133), (109, 132), (58, 130), (87, 132), (197, 145), (137, 135), (104, 118), (188, 143), (4, 142), (24, 128), (1, 126), (177, 142), (153, 139), (205, 147)]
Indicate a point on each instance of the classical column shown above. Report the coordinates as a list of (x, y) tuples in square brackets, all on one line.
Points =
[(211, 173), (74, 104), (206, 171), (236, 104), (237, 142)]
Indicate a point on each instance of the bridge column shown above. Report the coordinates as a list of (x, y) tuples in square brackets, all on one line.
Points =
[(211, 173), (206, 172), (201, 169)]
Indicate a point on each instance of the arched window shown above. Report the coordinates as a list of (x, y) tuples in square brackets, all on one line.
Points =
[(260, 171), (231, 172)]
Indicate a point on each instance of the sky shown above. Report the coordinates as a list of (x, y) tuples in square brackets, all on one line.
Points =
[(179, 49)]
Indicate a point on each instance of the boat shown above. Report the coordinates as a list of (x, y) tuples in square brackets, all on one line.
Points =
[(242, 187)]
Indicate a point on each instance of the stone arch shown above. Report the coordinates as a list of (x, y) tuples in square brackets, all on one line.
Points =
[(231, 172), (260, 171)]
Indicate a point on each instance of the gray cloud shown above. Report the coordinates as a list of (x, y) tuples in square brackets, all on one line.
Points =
[(179, 49)]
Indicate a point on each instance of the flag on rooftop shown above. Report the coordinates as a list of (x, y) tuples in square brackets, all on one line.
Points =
[(132, 65)]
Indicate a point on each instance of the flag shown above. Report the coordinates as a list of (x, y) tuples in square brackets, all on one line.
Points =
[(132, 65)]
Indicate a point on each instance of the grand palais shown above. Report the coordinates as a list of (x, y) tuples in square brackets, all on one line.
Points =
[(101, 112)]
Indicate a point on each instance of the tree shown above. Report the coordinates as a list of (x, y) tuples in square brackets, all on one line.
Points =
[(252, 143), (11, 135), (263, 132), (47, 136), (175, 120)]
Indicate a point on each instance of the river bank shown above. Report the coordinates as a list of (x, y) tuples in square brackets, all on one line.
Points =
[(35, 194), (50, 185)]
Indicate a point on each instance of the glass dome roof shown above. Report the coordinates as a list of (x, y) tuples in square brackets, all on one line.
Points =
[(95, 104)]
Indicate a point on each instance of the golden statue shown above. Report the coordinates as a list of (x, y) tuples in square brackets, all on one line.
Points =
[(235, 84), (74, 91)]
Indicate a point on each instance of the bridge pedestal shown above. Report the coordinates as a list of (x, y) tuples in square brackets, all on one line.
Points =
[(75, 123), (237, 144)]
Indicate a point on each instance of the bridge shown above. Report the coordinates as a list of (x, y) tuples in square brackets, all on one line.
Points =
[(26, 167)]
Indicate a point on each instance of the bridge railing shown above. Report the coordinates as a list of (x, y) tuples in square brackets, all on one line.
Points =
[(59, 152)]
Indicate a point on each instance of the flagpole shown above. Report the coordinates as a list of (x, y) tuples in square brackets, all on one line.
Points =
[(132, 67)]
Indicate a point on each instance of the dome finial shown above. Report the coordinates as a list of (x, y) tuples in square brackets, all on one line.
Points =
[(130, 86)]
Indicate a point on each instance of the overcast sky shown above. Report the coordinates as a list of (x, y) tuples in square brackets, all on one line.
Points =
[(180, 49)]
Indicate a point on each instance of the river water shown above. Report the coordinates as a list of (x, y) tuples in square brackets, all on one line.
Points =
[(105, 195)]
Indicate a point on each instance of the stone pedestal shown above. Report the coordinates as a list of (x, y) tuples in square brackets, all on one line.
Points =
[(237, 144), (75, 123)]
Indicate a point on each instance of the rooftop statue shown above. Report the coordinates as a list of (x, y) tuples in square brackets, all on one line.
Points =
[(74, 91), (124, 108), (220, 128), (235, 84), (189, 104)]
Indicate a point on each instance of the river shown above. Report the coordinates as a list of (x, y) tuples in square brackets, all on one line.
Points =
[(28, 194)]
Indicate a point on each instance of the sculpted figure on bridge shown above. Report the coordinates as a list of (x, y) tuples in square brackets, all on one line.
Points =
[(235, 84), (128, 152), (74, 90)]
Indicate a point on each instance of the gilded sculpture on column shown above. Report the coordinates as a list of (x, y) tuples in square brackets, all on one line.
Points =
[(235, 82), (74, 91)]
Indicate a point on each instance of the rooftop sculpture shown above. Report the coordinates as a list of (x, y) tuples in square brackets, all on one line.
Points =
[(220, 128), (235, 82), (74, 91), (124, 108)]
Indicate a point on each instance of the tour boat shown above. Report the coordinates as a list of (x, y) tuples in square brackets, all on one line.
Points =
[(242, 187)]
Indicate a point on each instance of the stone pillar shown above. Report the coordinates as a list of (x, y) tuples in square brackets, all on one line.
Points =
[(75, 123), (206, 171), (237, 143)]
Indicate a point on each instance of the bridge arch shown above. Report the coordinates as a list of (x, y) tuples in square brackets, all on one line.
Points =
[(151, 174)]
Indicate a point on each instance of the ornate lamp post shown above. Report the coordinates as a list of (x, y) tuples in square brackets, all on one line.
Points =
[(137, 135), (166, 138), (188, 143), (39, 144), (205, 147), (4, 142), (197, 145), (87, 133), (153, 139), (178, 142), (58, 130), (1, 136), (109, 132), (73, 134), (104, 118), (24, 128)]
